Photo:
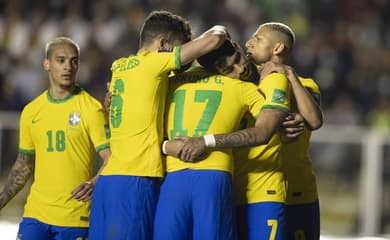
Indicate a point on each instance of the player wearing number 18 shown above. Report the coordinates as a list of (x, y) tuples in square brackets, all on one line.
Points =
[(59, 132)]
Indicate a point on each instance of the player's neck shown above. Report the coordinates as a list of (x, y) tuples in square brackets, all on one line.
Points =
[(149, 47), (57, 92)]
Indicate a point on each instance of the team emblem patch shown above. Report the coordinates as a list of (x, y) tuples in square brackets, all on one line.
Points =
[(278, 96), (74, 119)]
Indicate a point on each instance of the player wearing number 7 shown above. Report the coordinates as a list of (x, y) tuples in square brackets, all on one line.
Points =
[(59, 132), (125, 197)]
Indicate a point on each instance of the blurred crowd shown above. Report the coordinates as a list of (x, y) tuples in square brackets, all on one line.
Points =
[(343, 44)]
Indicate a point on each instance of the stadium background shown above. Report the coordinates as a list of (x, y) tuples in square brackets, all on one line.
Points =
[(342, 44)]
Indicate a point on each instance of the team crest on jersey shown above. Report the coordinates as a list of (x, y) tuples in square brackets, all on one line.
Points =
[(278, 96), (74, 119)]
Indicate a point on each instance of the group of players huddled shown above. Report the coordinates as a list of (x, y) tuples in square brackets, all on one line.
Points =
[(202, 141)]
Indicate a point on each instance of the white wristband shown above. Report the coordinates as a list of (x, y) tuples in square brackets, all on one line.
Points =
[(163, 147), (209, 140)]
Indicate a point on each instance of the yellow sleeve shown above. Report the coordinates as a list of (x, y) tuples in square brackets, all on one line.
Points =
[(313, 88), (168, 59), (26, 144), (252, 98), (98, 127), (276, 90)]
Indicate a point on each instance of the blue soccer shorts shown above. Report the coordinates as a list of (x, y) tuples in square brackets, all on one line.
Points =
[(32, 229), (261, 221), (196, 204), (123, 207), (303, 221)]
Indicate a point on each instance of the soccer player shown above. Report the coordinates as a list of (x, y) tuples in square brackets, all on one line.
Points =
[(302, 204), (59, 132), (126, 194), (196, 199), (274, 42), (259, 181)]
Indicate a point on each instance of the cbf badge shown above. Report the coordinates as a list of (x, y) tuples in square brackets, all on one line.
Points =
[(74, 119)]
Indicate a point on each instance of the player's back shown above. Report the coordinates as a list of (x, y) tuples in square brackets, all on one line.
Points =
[(139, 87), (203, 103)]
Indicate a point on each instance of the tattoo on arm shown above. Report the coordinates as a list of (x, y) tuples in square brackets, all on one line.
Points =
[(266, 126), (242, 138), (17, 178)]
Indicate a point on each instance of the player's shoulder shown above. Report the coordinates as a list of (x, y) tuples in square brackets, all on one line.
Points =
[(87, 100), (273, 78), (37, 102), (309, 83), (125, 63)]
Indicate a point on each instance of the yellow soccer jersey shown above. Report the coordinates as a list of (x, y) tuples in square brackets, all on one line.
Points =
[(297, 166), (139, 87), (63, 135), (258, 174), (202, 103)]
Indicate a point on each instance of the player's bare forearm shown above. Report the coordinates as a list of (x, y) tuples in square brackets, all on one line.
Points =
[(104, 155), (208, 41), (307, 106), (267, 125), (243, 138), (83, 192), (17, 178)]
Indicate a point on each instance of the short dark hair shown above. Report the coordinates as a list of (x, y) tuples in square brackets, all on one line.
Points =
[(167, 24), (215, 59)]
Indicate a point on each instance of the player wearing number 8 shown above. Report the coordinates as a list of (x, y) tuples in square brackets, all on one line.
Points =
[(59, 132)]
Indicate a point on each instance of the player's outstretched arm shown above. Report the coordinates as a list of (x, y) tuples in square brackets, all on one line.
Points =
[(205, 43), (307, 106), (17, 178), (84, 191), (267, 124)]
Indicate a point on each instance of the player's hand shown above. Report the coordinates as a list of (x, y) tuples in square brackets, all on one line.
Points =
[(83, 192), (293, 126), (194, 149), (174, 147), (270, 67), (217, 30)]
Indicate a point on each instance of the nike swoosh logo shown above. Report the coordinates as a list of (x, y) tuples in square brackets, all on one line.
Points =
[(35, 121)]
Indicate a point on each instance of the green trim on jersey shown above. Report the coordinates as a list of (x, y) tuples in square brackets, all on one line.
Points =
[(275, 107), (27, 152), (101, 147), (316, 96), (58, 101), (177, 57)]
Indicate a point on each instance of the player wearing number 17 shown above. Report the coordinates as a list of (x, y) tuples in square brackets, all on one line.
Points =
[(124, 202), (59, 132)]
